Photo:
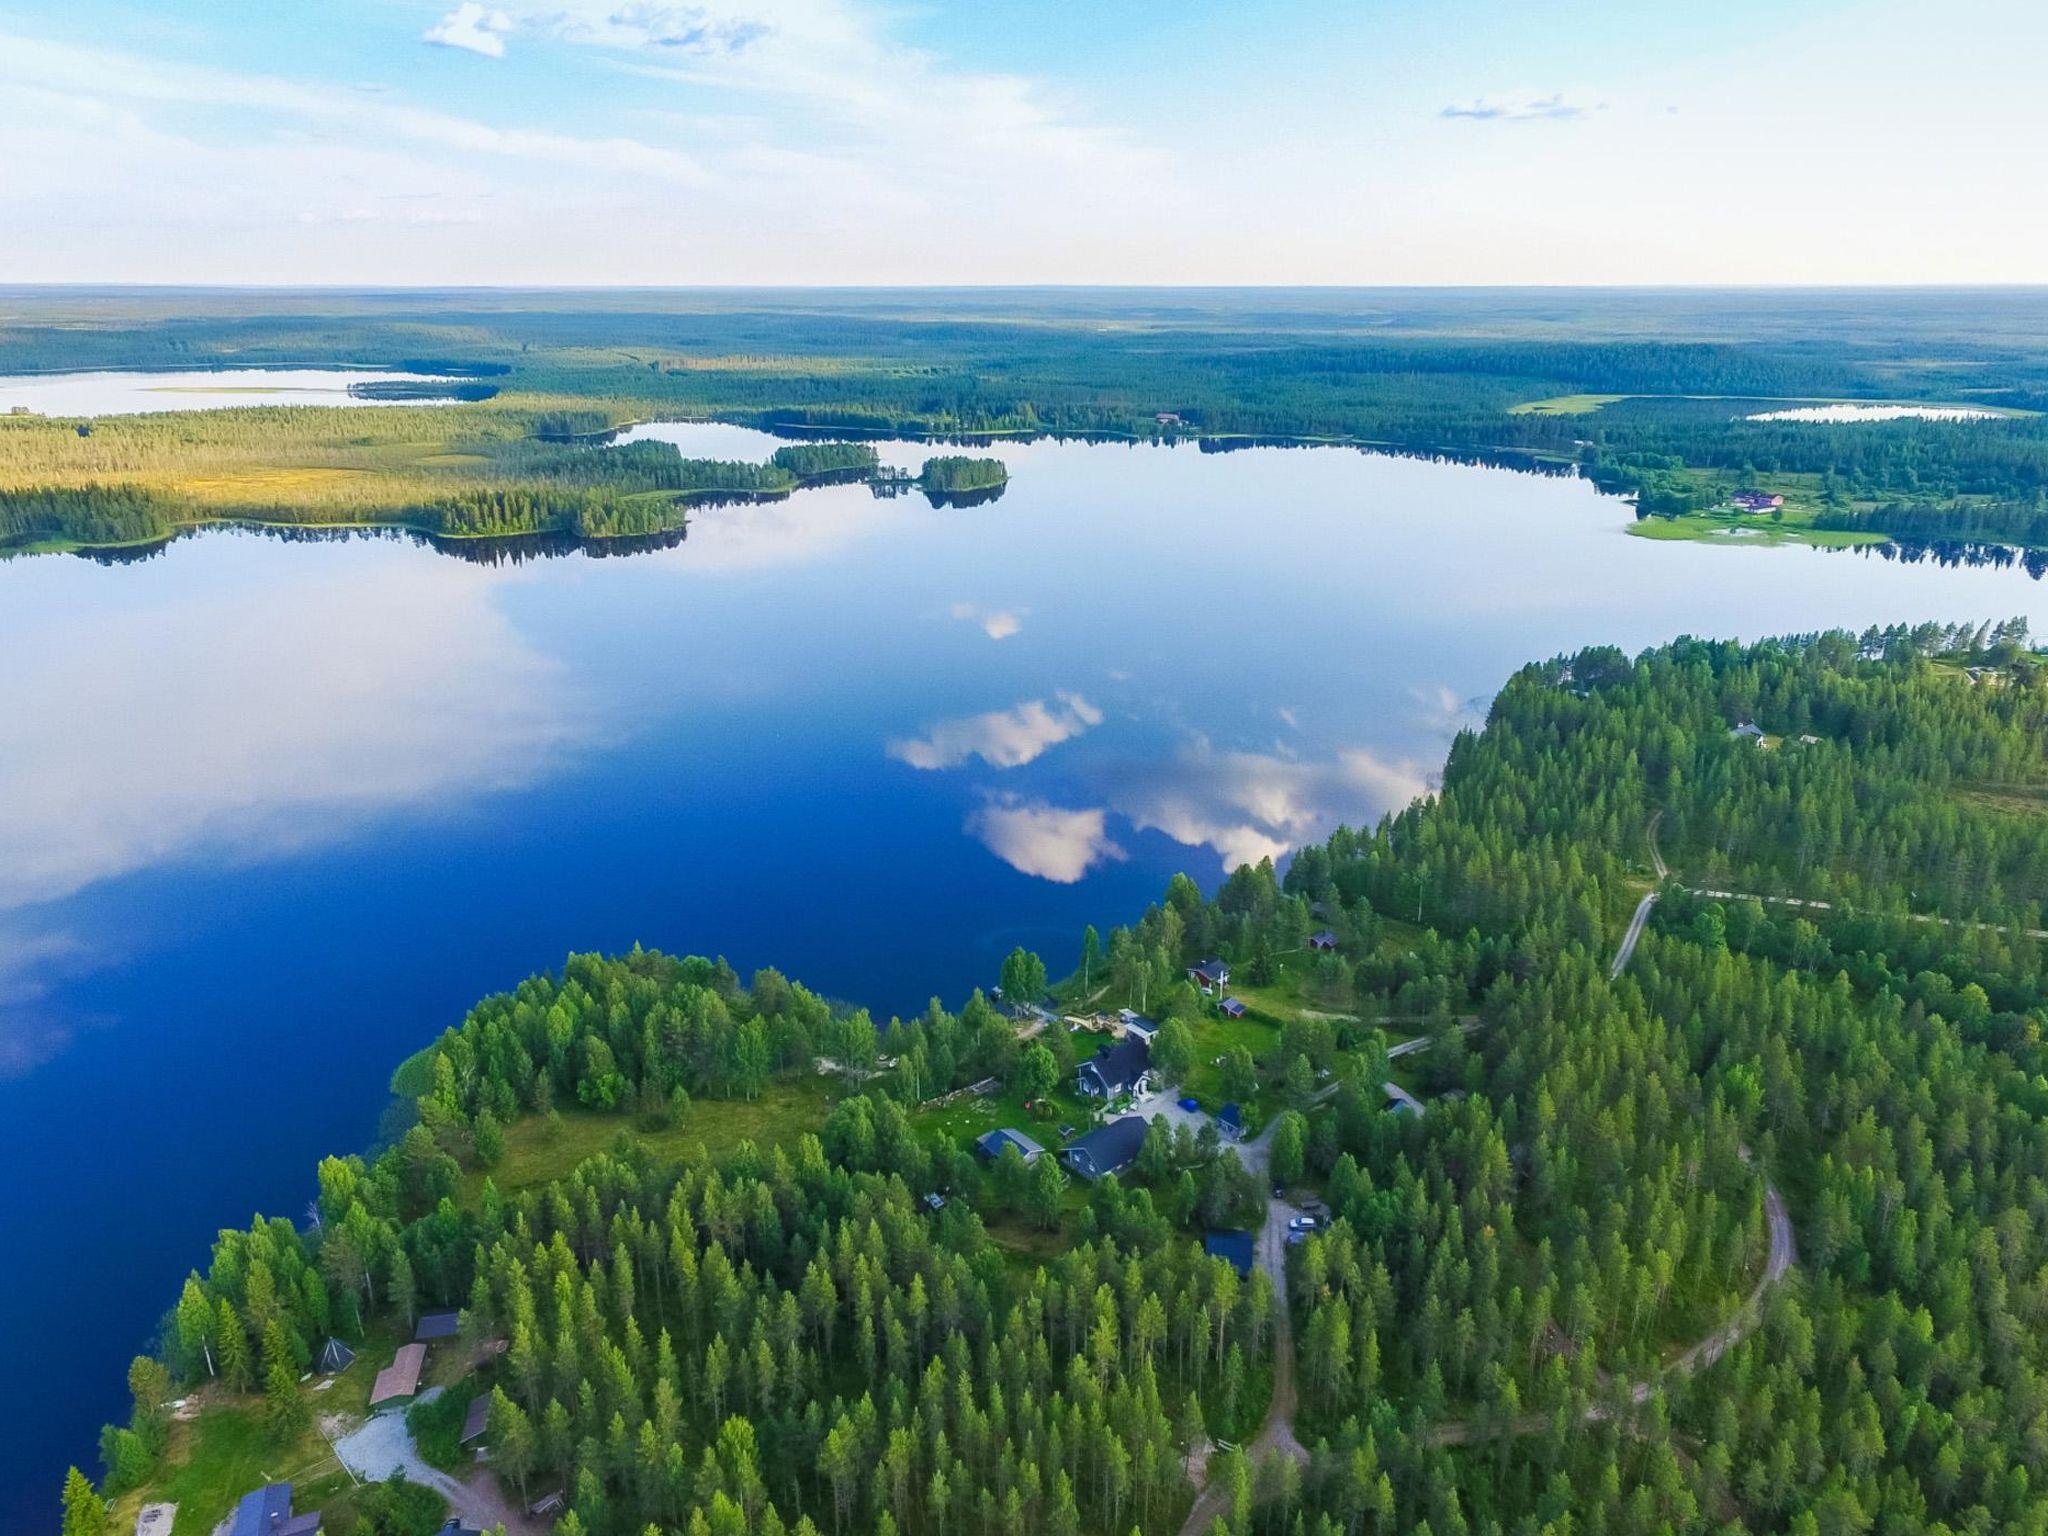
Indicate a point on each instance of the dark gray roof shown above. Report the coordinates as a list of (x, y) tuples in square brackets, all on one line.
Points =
[(1235, 1247), (1108, 1148), (992, 1144), (1118, 1066), (437, 1325), (260, 1512), (336, 1356), (477, 1419)]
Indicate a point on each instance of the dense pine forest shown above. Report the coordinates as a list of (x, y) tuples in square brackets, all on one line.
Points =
[(1653, 396), (1744, 1231)]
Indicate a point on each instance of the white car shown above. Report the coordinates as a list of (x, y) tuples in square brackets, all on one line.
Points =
[(1302, 1224)]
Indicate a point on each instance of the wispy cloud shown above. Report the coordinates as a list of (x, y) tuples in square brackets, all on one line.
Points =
[(996, 623), (473, 27), (1049, 841), (1002, 738), (1524, 108), (98, 75)]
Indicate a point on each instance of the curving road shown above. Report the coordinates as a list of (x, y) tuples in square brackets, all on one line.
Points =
[(1277, 1433)]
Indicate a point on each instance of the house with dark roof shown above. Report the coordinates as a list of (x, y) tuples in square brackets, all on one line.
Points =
[(1108, 1148), (1230, 1121), (335, 1357), (1230, 1008), (437, 1325), (1212, 976), (268, 1512), (1117, 1069), (1749, 730), (1234, 1248), (991, 1145), (1323, 940), (1756, 501), (1132, 1023), (477, 1419)]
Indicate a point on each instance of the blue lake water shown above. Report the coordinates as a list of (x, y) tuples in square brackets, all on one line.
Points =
[(130, 393), (273, 813)]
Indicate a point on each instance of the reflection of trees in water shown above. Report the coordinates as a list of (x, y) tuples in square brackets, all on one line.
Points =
[(974, 498), (1958, 552), (1500, 458), (509, 549)]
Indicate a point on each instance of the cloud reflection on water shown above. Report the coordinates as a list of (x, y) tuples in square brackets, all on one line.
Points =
[(1002, 738), (1049, 841), (244, 723)]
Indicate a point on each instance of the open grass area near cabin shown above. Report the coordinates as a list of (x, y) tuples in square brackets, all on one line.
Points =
[(537, 1150), (1723, 526), (968, 1119)]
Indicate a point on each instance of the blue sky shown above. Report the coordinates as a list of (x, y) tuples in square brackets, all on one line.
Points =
[(827, 141)]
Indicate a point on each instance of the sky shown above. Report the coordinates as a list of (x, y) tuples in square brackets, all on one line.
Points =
[(1053, 141)]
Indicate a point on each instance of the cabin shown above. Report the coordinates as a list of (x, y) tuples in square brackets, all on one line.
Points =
[(1230, 1008), (1230, 1121), (1167, 418), (1749, 730), (1108, 1148), (1756, 501), (1323, 942), (335, 1357), (437, 1325), (268, 1512), (1212, 976), (400, 1379), (991, 1146), (1130, 1023), (1234, 1248), (935, 1202), (477, 1420), (1118, 1069)]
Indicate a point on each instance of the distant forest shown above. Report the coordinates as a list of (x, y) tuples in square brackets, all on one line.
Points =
[(1648, 392)]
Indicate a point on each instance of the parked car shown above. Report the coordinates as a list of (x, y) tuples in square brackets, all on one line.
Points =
[(1302, 1224), (1191, 1104)]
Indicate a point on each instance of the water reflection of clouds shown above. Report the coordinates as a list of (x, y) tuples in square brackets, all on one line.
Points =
[(1002, 738), (1049, 841), (805, 526), (1249, 806), (159, 724), (261, 721), (996, 623)]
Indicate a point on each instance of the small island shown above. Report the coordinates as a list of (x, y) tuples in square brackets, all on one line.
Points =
[(960, 480)]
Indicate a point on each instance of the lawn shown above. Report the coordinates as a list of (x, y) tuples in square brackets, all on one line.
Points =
[(537, 1151), (968, 1119)]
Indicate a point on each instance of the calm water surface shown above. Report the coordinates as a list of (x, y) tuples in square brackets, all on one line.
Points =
[(131, 393), (273, 813)]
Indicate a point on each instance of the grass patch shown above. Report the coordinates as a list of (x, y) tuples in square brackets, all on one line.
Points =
[(538, 1151), (2006, 799), (1564, 405)]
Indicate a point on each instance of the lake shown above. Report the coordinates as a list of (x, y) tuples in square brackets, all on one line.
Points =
[(1845, 413), (273, 812), (130, 393)]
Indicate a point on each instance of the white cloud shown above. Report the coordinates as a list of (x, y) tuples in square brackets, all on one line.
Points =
[(96, 75), (1044, 840), (996, 623), (1002, 738), (473, 27), (1525, 108)]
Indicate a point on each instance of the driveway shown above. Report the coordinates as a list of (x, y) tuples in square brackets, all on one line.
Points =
[(383, 1445)]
